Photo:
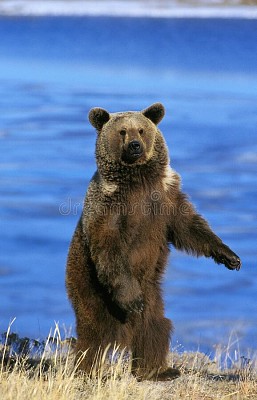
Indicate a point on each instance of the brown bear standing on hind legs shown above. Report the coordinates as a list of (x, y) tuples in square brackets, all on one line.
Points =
[(133, 209)]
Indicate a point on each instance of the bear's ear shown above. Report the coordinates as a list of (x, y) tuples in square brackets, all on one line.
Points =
[(155, 113), (98, 117)]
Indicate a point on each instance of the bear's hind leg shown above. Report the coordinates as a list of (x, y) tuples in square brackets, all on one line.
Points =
[(92, 349), (101, 341), (150, 349)]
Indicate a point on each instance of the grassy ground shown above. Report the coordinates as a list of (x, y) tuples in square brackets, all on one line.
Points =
[(45, 371)]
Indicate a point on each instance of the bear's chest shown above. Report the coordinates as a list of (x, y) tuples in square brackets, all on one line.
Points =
[(143, 216)]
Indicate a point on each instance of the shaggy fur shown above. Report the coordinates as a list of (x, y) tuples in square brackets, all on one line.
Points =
[(133, 209)]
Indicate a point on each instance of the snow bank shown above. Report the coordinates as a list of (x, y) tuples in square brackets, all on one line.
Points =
[(133, 8)]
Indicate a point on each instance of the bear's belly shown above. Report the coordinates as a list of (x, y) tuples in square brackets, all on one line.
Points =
[(148, 253)]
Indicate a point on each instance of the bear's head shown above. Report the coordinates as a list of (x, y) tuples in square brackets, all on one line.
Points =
[(128, 138)]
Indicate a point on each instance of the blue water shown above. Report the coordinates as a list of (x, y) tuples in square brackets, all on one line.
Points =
[(52, 71)]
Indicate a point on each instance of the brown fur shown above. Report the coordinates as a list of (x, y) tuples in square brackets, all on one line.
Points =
[(133, 209)]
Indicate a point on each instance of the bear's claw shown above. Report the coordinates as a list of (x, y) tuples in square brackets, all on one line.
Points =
[(229, 259), (235, 263), (232, 263), (136, 306)]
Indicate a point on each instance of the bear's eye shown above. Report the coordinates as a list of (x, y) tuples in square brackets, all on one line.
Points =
[(122, 132), (141, 131)]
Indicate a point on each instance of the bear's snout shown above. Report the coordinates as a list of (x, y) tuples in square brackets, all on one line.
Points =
[(132, 152), (135, 147)]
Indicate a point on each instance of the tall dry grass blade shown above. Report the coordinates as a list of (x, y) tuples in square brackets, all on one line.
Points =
[(5, 346)]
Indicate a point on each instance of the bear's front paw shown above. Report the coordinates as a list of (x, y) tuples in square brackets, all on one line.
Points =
[(234, 263), (228, 258), (136, 306), (132, 306), (128, 296)]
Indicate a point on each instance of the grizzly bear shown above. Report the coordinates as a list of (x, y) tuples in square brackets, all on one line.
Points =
[(133, 210)]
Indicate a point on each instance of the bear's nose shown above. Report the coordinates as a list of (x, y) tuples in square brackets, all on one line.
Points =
[(134, 145)]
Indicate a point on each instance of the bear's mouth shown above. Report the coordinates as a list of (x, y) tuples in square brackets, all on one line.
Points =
[(132, 151), (136, 154), (131, 156)]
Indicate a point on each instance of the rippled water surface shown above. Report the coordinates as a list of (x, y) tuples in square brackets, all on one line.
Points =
[(52, 71)]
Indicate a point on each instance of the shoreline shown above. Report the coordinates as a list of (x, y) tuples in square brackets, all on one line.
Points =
[(53, 373), (118, 8)]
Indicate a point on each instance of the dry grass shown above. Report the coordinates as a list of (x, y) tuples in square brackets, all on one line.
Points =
[(49, 374)]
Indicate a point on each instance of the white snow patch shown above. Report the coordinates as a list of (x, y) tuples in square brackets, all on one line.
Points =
[(133, 8)]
